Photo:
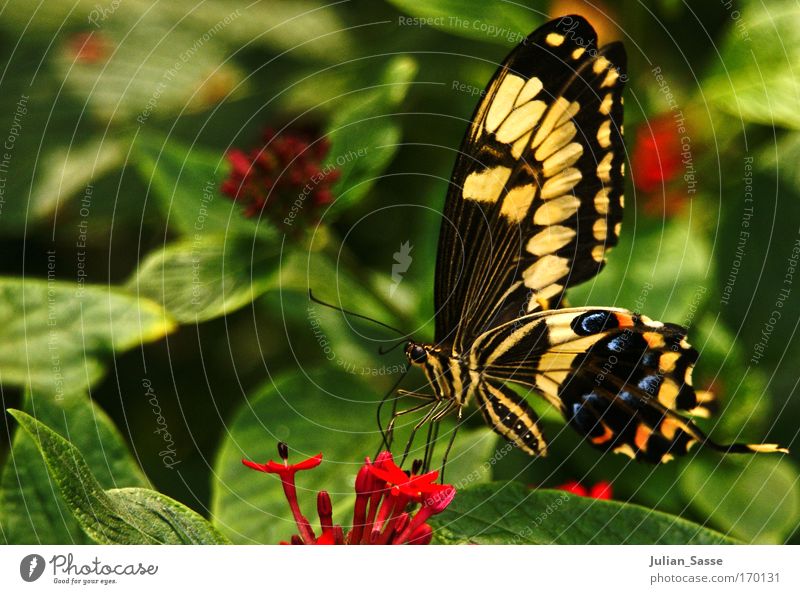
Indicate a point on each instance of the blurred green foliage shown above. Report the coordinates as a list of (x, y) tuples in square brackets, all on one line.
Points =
[(125, 262)]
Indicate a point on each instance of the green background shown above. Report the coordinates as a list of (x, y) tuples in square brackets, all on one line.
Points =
[(241, 367)]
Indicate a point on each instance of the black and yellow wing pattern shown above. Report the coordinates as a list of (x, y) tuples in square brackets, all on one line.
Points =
[(536, 194), (535, 202), (622, 380)]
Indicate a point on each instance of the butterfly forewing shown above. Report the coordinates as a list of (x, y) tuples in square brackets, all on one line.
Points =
[(536, 194)]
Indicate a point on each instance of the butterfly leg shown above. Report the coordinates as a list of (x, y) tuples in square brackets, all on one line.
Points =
[(431, 414), (385, 437), (450, 443), (389, 433), (430, 445), (433, 435)]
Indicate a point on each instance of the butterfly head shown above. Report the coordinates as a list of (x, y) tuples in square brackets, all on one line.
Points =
[(417, 354)]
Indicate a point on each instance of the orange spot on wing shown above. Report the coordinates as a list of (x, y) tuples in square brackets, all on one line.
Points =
[(624, 320), (654, 340), (643, 433), (669, 427), (601, 439)]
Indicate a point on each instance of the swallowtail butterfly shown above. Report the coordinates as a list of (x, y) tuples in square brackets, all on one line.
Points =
[(534, 204)]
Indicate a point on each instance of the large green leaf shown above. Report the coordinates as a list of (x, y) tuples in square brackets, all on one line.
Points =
[(55, 335), (115, 516), (327, 411), (510, 513), (499, 21), (41, 125), (143, 69), (186, 181), (73, 168), (755, 498), (203, 278), (365, 133), (740, 388), (303, 27), (756, 76), (32, 510)]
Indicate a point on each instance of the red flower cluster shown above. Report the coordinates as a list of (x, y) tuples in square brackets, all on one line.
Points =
[(600, 490), (384, 495), (286, 172)]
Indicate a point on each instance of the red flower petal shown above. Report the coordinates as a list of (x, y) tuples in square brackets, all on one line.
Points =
[(438, 499), (255, 465), (601, 490), (573, 487), (312, 462), (272, 467)]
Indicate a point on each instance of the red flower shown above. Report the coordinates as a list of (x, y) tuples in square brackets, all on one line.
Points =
[(88, 48), (412, 486), (284, 177), (600, 490), (657, 154), (384, 509)]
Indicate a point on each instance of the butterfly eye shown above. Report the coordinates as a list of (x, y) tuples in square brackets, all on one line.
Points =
[(416, 354)]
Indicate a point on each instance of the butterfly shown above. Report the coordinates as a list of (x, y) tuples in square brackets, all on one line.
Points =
[(535, 202)]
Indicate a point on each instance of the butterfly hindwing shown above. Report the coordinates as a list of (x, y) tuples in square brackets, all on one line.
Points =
[(536, 194), (620, 379), (511, 417)]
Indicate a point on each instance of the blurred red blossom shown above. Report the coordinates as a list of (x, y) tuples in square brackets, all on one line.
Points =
[(655, 162), (88, 47), (384, 510), (656, 153), (285, 177), (600, 490)]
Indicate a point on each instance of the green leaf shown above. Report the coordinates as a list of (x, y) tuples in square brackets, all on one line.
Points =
[(365, 133), (777, 159), (498, 21), (32, 510), (304, 28), (328, 411), (55, 335), (510, 513), (186, 181), (741, 389), (204, 278), (659, 269), (114, 516), (754, 498), (160, 519), (73, 168), (41, 121), (755, 78), (147, 69)]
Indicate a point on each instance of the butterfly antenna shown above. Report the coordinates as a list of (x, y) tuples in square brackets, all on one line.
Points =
[(382, 351), (354, 314)]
